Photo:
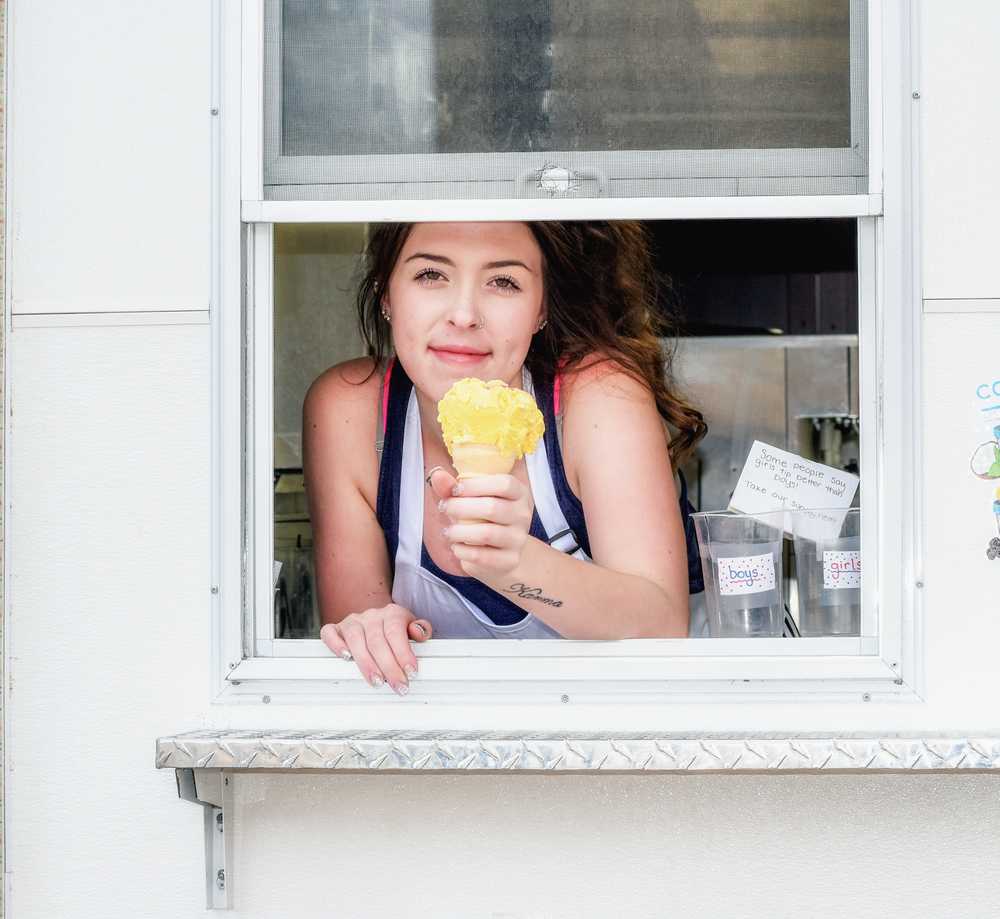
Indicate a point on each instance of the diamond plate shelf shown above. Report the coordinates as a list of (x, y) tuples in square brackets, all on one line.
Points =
[(288, 751)]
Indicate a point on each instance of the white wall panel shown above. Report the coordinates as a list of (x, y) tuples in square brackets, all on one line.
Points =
[(108, 563), (960, 148), (961, 634), (591, 847), (109, 143)]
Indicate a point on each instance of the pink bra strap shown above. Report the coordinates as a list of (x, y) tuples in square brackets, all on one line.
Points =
[(557, 387), (385, 390)]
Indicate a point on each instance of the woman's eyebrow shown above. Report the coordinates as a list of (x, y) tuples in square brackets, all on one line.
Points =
[(431, 258), (509, 263), (444, 260)]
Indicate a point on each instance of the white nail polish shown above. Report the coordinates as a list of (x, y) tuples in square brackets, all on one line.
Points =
[(377, 681)]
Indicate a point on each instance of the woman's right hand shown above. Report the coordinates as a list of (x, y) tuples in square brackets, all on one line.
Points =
[(379, 642)]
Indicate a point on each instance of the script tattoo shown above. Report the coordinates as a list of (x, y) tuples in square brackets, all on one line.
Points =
[(531, 593)]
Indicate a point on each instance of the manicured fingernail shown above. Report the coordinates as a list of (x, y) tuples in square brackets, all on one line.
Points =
[(442, 504), (459, 489), (376, 681), (410, 670), (444, 532), (419, 626), (452, 547), (401, 690), (346, 655)]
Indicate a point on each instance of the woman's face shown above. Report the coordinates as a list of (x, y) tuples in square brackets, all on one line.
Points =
[(464, 300)]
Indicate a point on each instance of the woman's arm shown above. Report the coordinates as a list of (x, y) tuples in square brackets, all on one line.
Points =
[(353, 574), (616, 460), (341, 475)]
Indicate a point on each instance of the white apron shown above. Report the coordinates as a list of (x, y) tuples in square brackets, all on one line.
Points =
[(421, 591)]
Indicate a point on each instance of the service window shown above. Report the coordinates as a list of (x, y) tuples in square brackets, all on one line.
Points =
[(740, 132), (767, 317)]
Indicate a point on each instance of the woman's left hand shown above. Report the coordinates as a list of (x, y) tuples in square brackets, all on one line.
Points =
[(490, 518)]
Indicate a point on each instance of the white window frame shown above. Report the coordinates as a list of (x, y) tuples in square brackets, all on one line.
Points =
[(254, 145), (887, 666)]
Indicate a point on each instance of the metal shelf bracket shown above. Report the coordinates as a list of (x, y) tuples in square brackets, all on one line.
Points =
[(213, 790)]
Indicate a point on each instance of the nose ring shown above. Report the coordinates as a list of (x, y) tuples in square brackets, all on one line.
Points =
[(480, 323)]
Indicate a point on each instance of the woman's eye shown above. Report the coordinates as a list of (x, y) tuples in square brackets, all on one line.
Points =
[(429, 274), (505, 283)]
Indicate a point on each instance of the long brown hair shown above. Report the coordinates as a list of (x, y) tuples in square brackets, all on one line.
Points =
[(600, 303)]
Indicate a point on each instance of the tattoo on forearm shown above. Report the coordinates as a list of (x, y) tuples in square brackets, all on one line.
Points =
[(531, 593)]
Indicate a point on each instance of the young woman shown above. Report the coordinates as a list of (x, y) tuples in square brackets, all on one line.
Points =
[(566, 312)]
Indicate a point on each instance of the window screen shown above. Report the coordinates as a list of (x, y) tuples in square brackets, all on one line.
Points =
[(389, 99)]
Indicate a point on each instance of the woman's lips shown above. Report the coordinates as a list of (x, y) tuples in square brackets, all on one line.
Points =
[(459, 355)]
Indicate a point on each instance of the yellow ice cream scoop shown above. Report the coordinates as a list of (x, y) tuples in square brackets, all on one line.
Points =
[(487, 426)]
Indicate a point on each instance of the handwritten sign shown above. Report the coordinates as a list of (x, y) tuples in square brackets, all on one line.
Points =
[(774, 479), (841, 570), (749, 574)]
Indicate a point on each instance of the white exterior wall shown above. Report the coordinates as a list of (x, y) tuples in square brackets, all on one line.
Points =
[(108, 542)]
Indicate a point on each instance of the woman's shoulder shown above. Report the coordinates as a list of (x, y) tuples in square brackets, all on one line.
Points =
[(612, 435), (600, 382), (357, 380), (345, 390), (343, 400), (606, 411), (339, 419)]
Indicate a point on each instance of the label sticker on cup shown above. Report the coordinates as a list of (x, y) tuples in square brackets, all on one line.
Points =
[(841, 570), (750, 574)]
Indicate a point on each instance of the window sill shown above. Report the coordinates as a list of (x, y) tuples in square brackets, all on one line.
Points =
[(285, 751)]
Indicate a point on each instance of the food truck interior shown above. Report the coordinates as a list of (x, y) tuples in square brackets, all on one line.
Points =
[(766, 318)]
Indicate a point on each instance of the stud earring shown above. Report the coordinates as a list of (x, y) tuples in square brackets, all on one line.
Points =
[(385, 316), (545, 322)]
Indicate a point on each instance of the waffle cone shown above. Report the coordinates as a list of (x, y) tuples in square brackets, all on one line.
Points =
[(474, 460)]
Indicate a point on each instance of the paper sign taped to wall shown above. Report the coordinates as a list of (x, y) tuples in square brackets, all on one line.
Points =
[(774, 479)]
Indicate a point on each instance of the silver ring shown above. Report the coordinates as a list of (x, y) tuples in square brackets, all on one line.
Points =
[(480, 322)]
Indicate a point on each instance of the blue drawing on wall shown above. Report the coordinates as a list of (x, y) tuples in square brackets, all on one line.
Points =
[(985, 464)]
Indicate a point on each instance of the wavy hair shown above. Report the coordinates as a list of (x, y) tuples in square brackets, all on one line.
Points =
[(601, 295)]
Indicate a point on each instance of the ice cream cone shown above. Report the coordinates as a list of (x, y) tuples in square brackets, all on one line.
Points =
[(474, 460), (492, 418), (487, 426)]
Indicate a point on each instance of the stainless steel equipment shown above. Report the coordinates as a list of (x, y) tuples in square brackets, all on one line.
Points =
[(296, 605), (797, 392)]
